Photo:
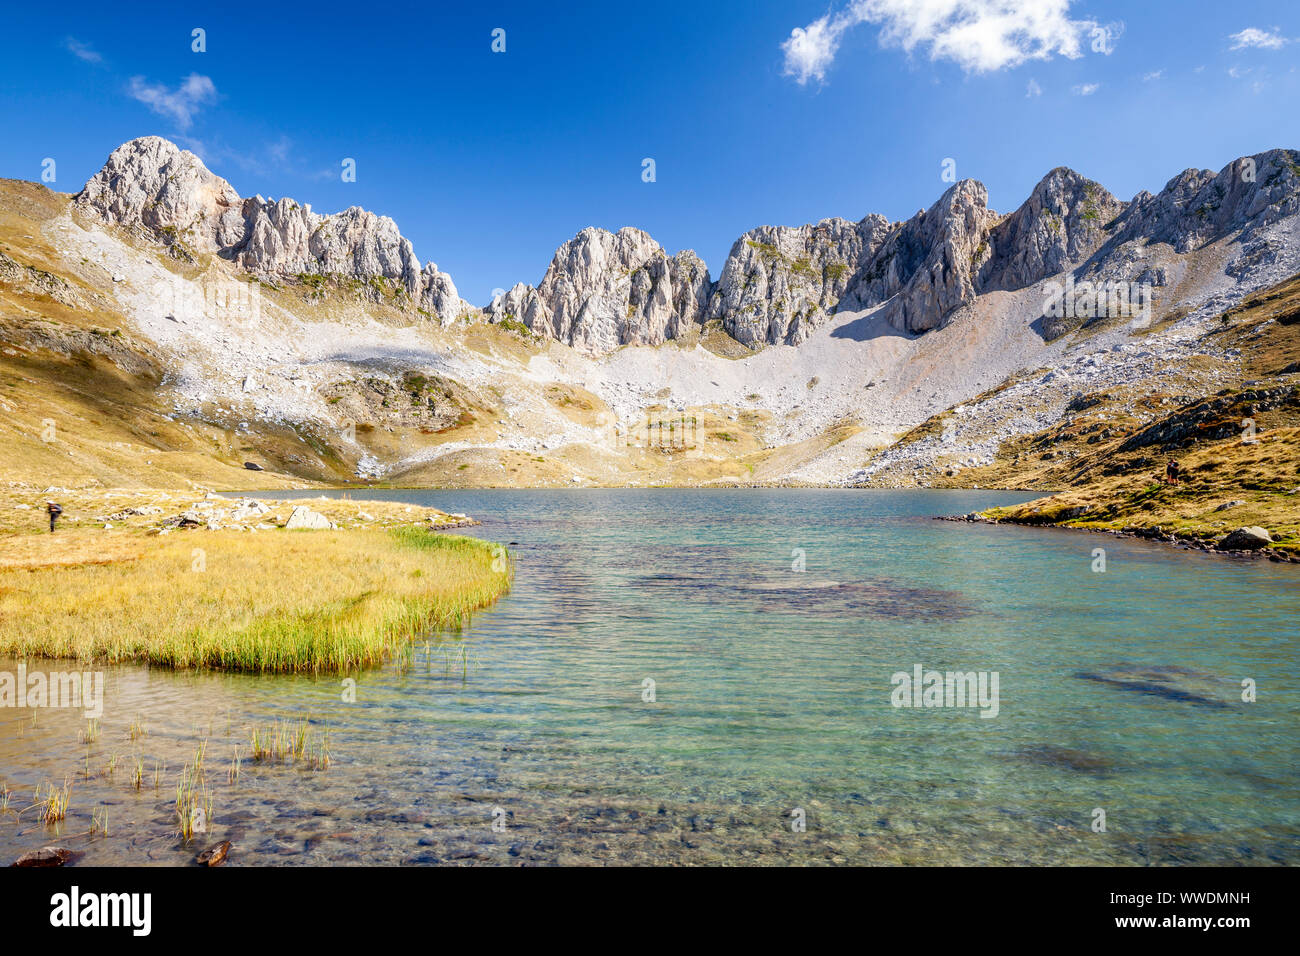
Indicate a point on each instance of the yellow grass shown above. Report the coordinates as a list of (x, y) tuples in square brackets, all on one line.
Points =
[(1263, 475), (274, 601), (68, 549)]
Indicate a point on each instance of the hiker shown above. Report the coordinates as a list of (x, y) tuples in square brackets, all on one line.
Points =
[(1171, 472), (54, 510)]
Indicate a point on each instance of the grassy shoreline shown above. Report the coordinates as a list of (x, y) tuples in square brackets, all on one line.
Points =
[(238, 598), (1225, 485)]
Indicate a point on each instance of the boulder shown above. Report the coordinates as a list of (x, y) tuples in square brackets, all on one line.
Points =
[(1246, 539), (253, 466), (304, 517), (187, 519), (248, 508)]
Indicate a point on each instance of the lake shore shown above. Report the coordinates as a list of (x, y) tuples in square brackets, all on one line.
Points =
[(1234, 496), (245, 584), (1156, 535), (674, 674)]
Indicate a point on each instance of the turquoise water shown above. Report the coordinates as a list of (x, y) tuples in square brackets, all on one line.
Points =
[(1119, 691)]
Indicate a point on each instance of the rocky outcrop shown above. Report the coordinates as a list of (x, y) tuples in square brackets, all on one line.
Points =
[(1198, 206), (150, 185), (283, 238), (944, 257), (437, 295), (780, 282), (928, 266), (605, 289), (156, 189), (1060, 225)]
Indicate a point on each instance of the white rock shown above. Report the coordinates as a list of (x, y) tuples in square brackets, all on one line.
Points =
[(304, 517)]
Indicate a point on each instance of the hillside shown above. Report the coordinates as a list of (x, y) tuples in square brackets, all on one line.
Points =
[(1238, 449)]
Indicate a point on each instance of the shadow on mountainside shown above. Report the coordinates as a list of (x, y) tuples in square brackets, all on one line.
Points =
[(872, 325)]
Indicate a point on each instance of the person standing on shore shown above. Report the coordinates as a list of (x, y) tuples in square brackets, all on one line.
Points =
[(55, 510)]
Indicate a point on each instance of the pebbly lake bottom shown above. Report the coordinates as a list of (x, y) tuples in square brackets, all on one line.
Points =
[(709, 677)]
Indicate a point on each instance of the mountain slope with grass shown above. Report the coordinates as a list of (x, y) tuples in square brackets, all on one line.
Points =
[(1237, 450)]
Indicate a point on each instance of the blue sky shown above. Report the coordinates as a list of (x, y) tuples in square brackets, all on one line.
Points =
[(488, 161)]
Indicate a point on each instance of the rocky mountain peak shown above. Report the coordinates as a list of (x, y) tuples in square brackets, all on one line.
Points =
[(928, 265), (780, 282), (1059, 226), (605, 289), (1198, 206), (151, 186)]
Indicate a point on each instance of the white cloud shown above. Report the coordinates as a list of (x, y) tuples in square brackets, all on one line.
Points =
[(978, 35), (279, 150), (179, 104), (82, 51), (1251, 37), (1153, 75), (262, 159), (1085, 89), (1033, 89), (810, 50)]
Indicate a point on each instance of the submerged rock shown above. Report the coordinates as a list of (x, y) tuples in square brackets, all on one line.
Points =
[(1067, 758), (1167, 681), (46, 856)]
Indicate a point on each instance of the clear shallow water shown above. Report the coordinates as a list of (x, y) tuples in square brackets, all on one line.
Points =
[(1118, 691)]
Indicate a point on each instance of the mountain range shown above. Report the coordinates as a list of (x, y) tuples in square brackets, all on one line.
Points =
[(860, 351)]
